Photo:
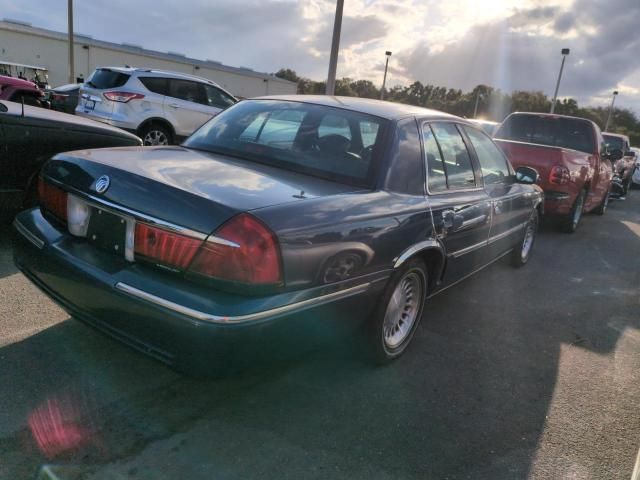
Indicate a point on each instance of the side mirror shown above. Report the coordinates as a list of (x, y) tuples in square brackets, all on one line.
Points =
[(527, 175), (615, 154)]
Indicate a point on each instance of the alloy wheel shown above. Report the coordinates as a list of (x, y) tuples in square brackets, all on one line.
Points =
[(402, 310), (155, 137)]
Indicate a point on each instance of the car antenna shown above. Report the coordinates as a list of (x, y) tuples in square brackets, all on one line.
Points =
[(22, 105)]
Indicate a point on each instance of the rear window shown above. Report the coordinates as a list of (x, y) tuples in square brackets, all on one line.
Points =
[(104, 78), (327, 142), (614, 142), (561, 132)]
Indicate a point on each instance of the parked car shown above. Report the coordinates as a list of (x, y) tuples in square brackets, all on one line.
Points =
[(636, 173), (64, 98), (28, 138), (625, 166), (571, 157), (487, 125), (278, 213), (19, 90), (160, 107)]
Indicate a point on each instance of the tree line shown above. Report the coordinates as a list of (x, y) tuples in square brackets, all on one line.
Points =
[(485, 101)]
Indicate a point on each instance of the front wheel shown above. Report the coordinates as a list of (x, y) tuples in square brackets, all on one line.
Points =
[(398, 313), (522, 252), (572, 220)]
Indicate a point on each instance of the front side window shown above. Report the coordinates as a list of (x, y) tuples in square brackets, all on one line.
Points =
[(214, 97), (185, 90), (492, 161), (322, 141), (456, 159)]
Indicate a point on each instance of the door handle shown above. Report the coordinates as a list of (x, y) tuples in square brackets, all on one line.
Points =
[(452, 220), (174, 105)]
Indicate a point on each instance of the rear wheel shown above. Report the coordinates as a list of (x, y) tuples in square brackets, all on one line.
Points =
[(572, 220), (602, 208), (398, 313), (522, 252), (155, 134)]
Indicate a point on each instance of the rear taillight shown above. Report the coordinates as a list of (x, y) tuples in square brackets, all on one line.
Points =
[(122, 97), (52, 199), (164, 247), (247, 253), (559, 175)]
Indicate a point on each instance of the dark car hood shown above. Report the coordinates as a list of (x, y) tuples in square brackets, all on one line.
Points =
[(195, 189)]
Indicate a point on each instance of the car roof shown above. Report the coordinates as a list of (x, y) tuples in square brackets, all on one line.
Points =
[(17, 82), (378, 108), (153, 71), (553, 115), (482, 122), (619, 135)]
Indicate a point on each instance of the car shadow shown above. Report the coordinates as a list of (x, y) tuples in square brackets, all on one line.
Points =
[(6, 256), (469, 399)]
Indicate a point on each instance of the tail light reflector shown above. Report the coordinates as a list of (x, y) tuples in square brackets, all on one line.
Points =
[(52, 199), (165, 247), (122, 97), (559, 175), (251, 256)]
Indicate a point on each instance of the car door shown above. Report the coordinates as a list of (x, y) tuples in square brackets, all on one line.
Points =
[(510, 205), (185, 106), (460, 207)]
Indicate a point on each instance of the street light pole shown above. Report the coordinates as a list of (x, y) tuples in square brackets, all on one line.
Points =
[(613, 100), (565, 52), (72, 78), (384, 79), (335, 46)]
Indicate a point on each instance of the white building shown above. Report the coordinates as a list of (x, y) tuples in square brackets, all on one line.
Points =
[(22, 43)]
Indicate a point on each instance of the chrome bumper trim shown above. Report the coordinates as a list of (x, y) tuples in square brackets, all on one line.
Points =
[(24, 231), (252, 317)]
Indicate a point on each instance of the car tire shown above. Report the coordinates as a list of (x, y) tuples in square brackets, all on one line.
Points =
[(521, 253), (155, 134), (398, 313), (571, 221), (602, 208)]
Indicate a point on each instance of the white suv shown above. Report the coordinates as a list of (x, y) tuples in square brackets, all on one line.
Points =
[(160, 107)]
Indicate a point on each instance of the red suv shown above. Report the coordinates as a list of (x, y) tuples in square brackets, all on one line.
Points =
[(16, 89)]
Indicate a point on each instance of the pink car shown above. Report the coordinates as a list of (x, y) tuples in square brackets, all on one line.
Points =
[(16, 89)]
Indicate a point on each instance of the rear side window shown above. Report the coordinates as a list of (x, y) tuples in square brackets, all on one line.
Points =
[(214, 97), (155, 84), (104, 78), (186, 90), (456, 160), (561, 132)]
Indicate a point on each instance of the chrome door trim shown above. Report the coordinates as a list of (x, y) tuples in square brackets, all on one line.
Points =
[(506, 233)]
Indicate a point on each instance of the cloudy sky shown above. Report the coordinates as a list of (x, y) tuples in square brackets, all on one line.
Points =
[(509, 44)]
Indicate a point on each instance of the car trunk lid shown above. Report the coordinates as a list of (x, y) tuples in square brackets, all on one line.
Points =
[(184, 187)]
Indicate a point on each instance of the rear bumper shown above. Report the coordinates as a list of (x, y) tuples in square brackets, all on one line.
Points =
[(109, 119), (166, 317)]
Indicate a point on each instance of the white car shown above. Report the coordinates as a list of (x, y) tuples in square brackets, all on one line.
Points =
[(636, 173), (160, 107)]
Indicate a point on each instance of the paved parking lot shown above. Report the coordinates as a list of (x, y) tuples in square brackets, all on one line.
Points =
[(514, 374)]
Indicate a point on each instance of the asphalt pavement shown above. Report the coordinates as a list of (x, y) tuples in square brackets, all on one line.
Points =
[(513, 374)]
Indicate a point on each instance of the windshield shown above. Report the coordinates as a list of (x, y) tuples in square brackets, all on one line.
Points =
[(327, 142), (613, 142), (574, 134)]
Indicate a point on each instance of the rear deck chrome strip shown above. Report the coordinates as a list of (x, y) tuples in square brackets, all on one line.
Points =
[(252, 317), (24, 231)]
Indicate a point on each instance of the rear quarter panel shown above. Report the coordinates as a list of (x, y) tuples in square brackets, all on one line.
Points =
[(377, 226)]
